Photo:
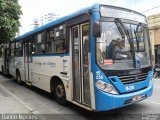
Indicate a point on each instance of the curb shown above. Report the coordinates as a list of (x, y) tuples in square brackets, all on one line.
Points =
[(30, 109)]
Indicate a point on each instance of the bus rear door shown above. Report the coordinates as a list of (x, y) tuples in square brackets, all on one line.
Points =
[(27, 61)]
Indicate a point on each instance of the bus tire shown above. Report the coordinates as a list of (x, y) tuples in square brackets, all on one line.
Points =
[(18, 77), (59, 93)]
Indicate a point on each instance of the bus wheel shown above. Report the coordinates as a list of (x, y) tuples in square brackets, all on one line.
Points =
[(59, 93), (18, 77)]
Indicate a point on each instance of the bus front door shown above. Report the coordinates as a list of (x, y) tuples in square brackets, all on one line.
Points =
[(27, 61), (81, 60)]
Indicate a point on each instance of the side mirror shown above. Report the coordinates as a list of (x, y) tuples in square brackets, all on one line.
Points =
[(96, 29)]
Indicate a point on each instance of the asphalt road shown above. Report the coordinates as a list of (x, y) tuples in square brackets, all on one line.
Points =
[(36, 101)]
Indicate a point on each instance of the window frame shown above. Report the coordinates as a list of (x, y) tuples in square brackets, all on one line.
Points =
[(18, 49)]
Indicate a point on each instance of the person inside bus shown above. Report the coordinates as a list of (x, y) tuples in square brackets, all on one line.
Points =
[(118, 51), (43, 49), (61, 50), (109, 53)]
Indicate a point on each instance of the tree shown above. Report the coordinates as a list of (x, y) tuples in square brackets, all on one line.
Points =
[(10, 12)]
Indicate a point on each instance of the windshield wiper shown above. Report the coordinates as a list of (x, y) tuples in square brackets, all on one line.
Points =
[(119, 28), (124, 31), (122, 28), (136, 35)]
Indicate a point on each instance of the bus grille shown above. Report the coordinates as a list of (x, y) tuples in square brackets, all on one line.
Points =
[(133, 78)]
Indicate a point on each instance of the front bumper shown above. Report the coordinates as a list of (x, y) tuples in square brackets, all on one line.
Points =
[(105, 101)]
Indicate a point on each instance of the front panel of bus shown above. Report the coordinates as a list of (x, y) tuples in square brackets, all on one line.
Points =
[(123, 70)]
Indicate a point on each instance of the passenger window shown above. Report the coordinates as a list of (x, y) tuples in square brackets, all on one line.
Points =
[(18, 49), (56, 40), (39, 43), (50, 41), (60, 39), (12, 49)]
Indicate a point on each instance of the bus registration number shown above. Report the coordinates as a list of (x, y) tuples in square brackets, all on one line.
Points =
[(130, 88), (137, 98)]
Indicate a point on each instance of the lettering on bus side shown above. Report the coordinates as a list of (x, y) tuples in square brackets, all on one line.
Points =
[(50, 64), (37, 64), (65, 66)]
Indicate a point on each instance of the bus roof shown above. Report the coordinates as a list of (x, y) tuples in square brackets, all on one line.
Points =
[(65, 18), (55, 22)]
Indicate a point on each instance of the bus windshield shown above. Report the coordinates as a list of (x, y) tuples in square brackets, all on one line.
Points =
[(114, 48)]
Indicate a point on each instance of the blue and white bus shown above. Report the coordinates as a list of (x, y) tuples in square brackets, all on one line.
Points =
[(98, 58)]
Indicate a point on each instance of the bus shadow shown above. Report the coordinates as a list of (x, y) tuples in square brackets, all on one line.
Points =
[(75, 111), (124, 113), (6, 75)]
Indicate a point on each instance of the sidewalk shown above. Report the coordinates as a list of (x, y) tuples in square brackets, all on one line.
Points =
[(12, 104), (158, 78), (9, 104)]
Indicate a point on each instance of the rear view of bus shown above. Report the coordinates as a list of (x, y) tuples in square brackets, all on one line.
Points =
[(123, 71)]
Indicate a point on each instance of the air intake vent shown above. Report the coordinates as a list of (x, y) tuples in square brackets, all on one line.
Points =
[(133, 78)]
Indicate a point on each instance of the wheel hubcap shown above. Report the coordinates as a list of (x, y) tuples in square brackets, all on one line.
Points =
[(60, 91)]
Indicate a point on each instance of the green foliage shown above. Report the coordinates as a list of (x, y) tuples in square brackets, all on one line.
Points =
[(10, 12)]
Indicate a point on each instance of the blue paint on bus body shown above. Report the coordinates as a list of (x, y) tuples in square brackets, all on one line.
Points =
[(105, 101)]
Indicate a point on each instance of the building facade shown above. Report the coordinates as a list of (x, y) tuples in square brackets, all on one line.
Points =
[(154, 27)]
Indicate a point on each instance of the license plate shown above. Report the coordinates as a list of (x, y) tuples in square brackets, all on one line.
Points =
[(137, 98)]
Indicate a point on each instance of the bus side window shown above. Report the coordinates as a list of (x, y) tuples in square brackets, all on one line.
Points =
[(39, 43), (60, 39), (56, 40), (50, 41), (18, 49), (12, 48)]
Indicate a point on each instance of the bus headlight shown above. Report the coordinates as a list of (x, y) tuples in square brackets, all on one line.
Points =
[(106, 87)]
